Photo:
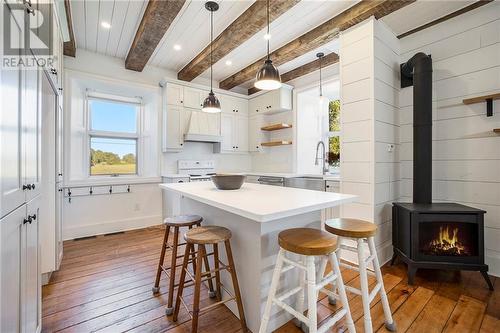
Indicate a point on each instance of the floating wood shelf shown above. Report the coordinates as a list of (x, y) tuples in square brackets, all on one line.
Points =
[(496, 130), (275, 127), (487, 98), (276, 143)]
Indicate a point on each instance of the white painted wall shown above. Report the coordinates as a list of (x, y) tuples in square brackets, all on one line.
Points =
[(466, 153)]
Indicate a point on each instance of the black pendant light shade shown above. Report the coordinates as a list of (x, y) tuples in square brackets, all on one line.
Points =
[(211, 104), (268, 77)]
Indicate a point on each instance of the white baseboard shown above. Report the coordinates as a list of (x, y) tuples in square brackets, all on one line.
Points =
[(106, 227)]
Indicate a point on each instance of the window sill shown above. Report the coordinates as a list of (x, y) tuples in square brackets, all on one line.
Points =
[(108, 180)]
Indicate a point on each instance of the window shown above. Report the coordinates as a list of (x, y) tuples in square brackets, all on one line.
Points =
[(113, 135), (334, 135)]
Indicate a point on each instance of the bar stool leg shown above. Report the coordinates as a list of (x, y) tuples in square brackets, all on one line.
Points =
[(272, 292), (389, 322), (217, 273), (156, 287), (197, 286), (301, 294), (211, 291), (182, 280), (311, 295), (169, 310), (365, 294), (341, 292), (332, 300), (322, 269), (236, 287)]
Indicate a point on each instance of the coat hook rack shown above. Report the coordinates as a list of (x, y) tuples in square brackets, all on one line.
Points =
[(486, 98)]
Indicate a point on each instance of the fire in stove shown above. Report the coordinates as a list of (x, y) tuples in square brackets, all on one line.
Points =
[(447, 243)]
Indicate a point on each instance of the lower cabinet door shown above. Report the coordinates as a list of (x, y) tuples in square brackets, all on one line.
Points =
[(11, 232), (31, 267)]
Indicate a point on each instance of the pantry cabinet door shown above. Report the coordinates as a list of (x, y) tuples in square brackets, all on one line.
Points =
[(11, 158), (173, 128), (31, 269), (32, 126), (174, 94), (11, 232)]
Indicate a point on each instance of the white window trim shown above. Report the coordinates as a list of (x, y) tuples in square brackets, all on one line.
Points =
[(93, 95)]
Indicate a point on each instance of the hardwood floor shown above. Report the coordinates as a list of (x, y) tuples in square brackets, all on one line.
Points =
[(104, 285)]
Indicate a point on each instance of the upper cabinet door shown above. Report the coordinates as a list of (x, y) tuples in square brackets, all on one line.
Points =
[(31, 119), (227, 132), (172, 132), (175, 94), (242, 134), (11, 157), (193, 98)]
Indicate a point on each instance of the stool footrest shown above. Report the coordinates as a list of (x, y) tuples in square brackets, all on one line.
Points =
[(330, 322), (355, 268), (291, 310), (293, 263), (374, 292), (289, 293), (326, 280), (369, 259)]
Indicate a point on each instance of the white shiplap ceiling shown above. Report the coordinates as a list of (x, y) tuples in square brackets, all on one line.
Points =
[(190, 29)]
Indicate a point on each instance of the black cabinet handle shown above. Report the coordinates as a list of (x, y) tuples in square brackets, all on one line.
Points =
[(25, 221), (32, 186), (25, 187), (33, 217), (53, 71)]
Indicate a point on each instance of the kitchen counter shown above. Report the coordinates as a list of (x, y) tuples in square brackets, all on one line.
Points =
[(255, 214), (261, 203)]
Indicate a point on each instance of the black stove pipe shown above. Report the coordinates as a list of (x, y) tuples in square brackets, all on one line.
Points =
[(419, 69)]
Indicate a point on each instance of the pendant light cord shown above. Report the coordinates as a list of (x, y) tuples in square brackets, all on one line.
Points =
[(211, 42), (268, 36), (320, 79)]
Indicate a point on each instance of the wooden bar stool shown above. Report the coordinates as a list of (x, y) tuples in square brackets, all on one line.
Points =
[(362, 232), (201, 236), (175, 223), (309, 244)]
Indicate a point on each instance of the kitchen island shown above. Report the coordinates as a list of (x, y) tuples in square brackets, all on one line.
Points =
[(255, 214)]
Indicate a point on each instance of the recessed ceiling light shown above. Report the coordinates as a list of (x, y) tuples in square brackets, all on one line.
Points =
[(267, 36), (177, 47), (229, 62), (105, 25)]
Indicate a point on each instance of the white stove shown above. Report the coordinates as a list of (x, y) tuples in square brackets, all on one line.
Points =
[(198, 170)]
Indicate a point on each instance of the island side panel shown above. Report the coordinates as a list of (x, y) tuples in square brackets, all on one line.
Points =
[(269, 252), (246, 248)]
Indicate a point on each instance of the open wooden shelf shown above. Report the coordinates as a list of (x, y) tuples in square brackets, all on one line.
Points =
[(276, 143), (496, 130), (486, 98), (275, 127)]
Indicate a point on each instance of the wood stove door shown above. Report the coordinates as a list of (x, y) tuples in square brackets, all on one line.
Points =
[(450, 238)]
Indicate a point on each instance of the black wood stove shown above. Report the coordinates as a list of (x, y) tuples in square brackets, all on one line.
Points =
[(427, 234)]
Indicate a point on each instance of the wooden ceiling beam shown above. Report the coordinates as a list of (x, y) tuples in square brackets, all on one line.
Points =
[(447, 17), (243, 28), (155, 22), (318, 36), (328, 60), (69, 47)]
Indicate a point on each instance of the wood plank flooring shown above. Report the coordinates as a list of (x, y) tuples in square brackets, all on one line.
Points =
[(104, 285)]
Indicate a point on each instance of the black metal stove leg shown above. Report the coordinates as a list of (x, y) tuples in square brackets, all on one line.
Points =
[(412, 270), (394, 257), (487, 278)]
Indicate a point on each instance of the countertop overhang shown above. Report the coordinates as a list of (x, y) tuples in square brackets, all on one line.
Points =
[(261, 203)]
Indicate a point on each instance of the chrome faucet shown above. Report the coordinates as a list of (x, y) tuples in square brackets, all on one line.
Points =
[(322, 158)]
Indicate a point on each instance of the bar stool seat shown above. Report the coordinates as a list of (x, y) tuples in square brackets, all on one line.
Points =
[(352, 228), (307, 241), (363, 233), (183, 220), (210, 234)]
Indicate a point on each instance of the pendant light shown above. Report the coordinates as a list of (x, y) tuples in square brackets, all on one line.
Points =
[(268, 77), (322, 99), (211, 104)]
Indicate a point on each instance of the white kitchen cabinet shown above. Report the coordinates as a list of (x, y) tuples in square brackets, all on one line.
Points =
[(174, 94), (234, 131), (20, 278), (193, 98), (173, 123), (334, 212), (231, 104), (254, 133), (272, 101)]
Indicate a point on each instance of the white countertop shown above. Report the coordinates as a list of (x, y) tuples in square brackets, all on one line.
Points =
[(266, 174), (261, 203)]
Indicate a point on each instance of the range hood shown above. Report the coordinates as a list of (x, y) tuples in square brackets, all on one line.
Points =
[(203, 127)]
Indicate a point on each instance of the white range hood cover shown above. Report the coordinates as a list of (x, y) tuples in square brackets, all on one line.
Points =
[(203, 127)]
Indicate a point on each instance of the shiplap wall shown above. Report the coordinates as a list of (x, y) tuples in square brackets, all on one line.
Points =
[(466, 153), (369, 63)]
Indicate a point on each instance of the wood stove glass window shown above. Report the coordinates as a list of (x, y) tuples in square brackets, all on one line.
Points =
[(457, 239)]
